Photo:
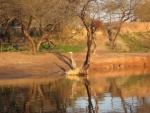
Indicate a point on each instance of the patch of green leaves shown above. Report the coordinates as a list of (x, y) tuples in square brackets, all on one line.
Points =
[(134, 42), (62, 48), (67, 48)]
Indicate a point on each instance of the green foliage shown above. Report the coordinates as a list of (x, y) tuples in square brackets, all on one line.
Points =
[(43, 47), (7, 48), (67, 48), (137, 42), (131, 42), (61, 48)]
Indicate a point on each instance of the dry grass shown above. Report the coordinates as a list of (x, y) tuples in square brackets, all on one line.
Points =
[(136, 27), (74, 78), (121, 46), (74, 72)]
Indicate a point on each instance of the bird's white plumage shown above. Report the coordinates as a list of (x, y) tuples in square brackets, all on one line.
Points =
[(73, 63)]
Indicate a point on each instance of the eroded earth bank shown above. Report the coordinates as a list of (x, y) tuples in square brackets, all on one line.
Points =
[(25, 66)]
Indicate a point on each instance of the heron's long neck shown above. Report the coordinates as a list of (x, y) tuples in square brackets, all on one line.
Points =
[(71, 56)]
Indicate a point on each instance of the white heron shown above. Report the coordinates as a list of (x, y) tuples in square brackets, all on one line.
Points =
[(73, 63)]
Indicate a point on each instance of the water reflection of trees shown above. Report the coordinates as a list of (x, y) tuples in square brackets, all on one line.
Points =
[(36, 97), (140, 87), (49, 97), (87, 84), (114, 86), (62, 94), (131, 85), (89, 93), (130, 91)]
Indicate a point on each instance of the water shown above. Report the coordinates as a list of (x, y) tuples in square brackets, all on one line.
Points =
[(71, 94)]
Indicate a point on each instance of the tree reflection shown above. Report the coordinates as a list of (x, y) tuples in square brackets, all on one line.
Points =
[(144, 105), (137, 103), (69, 95), (113, 85), (88, 89), (140, 86), (89, 93), (41, 98)]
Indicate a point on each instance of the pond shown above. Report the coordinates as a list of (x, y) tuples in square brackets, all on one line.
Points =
[(72, 94)]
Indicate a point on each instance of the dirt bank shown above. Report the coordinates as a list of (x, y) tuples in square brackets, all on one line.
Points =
[(115, 61), (18, 65)]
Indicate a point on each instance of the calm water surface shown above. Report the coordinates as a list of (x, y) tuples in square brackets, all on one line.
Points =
[(71, 94)]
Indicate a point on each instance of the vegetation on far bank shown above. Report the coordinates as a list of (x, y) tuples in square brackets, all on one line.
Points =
[(126, 42), (131, 42)]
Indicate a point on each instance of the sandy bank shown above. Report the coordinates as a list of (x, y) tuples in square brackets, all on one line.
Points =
[(114, 61), (18, 65)]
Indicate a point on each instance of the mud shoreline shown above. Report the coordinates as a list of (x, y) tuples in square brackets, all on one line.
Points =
[(23, 68), (122, 61)]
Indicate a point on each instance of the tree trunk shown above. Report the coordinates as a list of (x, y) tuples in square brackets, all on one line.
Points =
[(7, 25), (88, 54), (41, 40), (86, 65), (44, 34), (118, 31), (30, 40)]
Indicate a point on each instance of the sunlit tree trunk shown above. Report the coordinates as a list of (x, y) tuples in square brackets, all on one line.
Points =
[(30, 40), (90, 38), (116, 34)]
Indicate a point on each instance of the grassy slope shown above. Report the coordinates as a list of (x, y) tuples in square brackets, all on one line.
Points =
[(136, 42), (126, 42)]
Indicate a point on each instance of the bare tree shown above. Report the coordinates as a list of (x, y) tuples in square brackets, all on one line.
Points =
[(122, 11), (2, 4), (142, 11), (87, 10), (44, 15)]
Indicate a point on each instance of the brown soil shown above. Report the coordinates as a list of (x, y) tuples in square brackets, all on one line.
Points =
[(49, 64), (19, 65), (14, 65)]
